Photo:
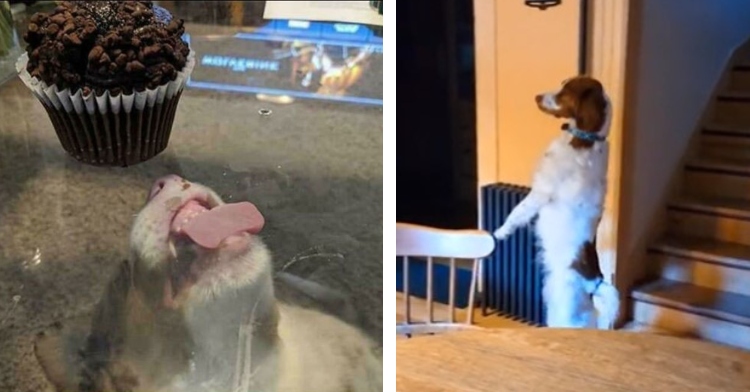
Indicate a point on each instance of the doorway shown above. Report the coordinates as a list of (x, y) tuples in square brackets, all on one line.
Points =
[(436, 150)]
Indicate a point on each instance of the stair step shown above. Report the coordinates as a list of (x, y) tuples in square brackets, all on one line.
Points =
[(704, 179), (734, 96), (722, 219), (731, 107), (685, 308), (740, 77), (706, 250), (726, 130), (683, 323), (717, 145), (725, 206), (725, 165), (698, 300), (711, 264), (708, 223), (708, 176)]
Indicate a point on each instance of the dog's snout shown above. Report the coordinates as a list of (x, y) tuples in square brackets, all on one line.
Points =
[(158, 186), (538, 98), (171, 180)]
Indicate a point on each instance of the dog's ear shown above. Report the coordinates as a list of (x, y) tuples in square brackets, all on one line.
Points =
[(591, 109)]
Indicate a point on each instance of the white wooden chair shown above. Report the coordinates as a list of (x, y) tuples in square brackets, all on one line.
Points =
[(428, 242)]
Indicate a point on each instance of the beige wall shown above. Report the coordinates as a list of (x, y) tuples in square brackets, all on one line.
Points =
[(678, 51), (521, 52), (536, 51)]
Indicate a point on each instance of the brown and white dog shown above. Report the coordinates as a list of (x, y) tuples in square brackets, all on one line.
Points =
[(567, 195), (194, 309)]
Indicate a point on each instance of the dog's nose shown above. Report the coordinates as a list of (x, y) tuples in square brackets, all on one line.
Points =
[(164, 182), (539, 98)]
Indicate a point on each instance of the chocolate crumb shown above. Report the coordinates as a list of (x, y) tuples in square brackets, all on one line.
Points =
[(135, 66), (53, 29), (95, 53), (72, 39), (58, 19), (69, 26), (121, 59)]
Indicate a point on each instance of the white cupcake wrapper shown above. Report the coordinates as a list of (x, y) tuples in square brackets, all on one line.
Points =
[(109, 130), (71, 101)]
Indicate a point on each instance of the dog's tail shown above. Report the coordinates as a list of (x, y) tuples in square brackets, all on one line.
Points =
[(607, 304)]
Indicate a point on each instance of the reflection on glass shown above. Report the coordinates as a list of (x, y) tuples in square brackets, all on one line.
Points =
[(334, 61), (195, 309), (8, 41), (6, 29), (87, 304)]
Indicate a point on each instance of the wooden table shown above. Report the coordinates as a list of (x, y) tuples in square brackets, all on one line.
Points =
[(544, 360)]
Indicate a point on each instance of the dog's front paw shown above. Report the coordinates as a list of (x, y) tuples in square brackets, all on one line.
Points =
[(502, 233)]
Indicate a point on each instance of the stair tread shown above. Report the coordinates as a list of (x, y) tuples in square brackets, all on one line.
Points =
[(718, 204), (711, 250), (731, 163), (699, 300), (735, 95), (726, 129)]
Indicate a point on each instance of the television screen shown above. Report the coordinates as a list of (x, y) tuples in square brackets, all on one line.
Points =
[(288, 58)]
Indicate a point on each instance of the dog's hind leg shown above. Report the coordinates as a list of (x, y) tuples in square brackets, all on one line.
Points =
[(567, 303), (606, 299)]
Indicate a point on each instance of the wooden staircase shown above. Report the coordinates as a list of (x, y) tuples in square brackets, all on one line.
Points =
[(704, 256)]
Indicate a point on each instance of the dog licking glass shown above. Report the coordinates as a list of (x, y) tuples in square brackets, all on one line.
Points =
[(194, 309)]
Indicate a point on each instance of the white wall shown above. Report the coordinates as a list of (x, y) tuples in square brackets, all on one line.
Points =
[(680, 48)]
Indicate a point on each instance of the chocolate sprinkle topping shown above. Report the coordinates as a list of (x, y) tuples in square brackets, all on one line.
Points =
[(104, 13), (106, 45)]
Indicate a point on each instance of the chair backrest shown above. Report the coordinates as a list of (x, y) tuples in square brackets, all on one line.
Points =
[(416, 241)]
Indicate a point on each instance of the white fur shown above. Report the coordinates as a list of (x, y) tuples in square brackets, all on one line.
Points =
[(321, 353), (567, 195), (150, 242), (549, 102), (314, 352)]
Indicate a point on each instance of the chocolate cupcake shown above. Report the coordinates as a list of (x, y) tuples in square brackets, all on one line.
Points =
[(110, 75)]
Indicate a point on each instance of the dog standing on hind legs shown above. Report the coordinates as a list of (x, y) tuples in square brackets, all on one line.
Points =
[(567, 198)]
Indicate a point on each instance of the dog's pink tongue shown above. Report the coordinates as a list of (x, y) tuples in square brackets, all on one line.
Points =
[(211, 227)]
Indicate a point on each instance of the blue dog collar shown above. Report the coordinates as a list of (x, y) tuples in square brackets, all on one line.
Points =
[(587, 136)]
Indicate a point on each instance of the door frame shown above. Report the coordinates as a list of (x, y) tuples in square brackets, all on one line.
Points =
[(607, 54)]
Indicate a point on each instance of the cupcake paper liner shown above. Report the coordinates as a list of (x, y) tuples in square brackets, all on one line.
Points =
[(110, 130)]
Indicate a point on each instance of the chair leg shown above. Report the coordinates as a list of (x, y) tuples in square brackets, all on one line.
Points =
[(472, 292)]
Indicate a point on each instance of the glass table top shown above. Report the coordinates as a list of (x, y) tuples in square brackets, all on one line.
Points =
[(253, 124)]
